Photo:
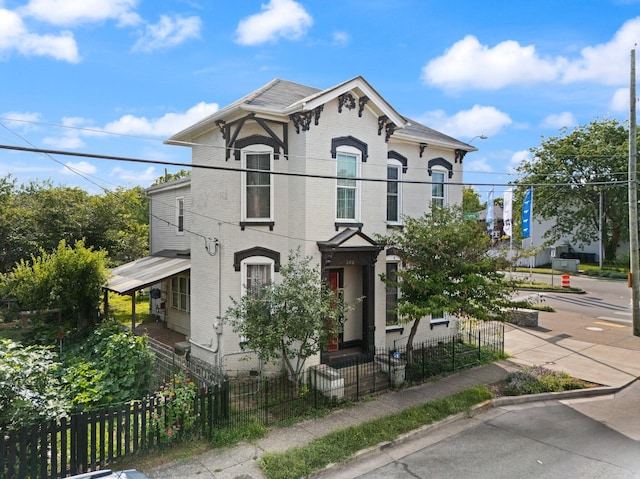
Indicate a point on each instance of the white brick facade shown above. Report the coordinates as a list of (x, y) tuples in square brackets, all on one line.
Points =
[(304, 207)]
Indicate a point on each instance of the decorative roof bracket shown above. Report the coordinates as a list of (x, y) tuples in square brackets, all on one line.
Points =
[(302, 119), (362, 101), (459, 155), (346, 100), (423, 146)]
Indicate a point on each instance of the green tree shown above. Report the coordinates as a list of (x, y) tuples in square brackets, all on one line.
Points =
[(183, 173), (70, 278), (446, 268), (291, 320), (573, 173), (38, 215), (471, 200)]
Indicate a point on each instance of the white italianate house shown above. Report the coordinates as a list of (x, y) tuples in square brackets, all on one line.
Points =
[(336, 168)]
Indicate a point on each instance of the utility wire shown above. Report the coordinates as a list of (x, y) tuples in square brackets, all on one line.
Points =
[(276, 173)]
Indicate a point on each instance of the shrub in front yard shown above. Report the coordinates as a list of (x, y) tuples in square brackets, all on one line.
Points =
[(538, 379)]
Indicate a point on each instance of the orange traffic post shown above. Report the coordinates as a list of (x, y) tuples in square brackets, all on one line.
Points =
[(566, 281)]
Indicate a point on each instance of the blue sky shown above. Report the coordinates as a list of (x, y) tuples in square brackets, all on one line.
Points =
[(117, 77)]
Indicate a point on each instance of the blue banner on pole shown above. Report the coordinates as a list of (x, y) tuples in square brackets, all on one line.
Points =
[(526, 213)]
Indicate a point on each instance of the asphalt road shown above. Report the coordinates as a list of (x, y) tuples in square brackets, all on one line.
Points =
[(538, 440)]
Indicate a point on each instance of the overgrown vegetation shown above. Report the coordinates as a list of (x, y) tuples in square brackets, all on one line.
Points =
[(105, 366), (340, 445), (538, 379)]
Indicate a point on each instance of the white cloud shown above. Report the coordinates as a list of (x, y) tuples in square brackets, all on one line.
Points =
[(15, 36), (607, 63), (21, 120), (67, 142), (165, 125), (341, 39), (279, 18), (469, 64), (518, 158), (479, 120), (72, 132), (168, 32), (139, 177), (480, 165), (82, 167), (620, 100), (74, 12), (559, 120)]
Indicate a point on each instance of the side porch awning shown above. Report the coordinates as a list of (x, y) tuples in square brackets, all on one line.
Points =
[(131, 277)]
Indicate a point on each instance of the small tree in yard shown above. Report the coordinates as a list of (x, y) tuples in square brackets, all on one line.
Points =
[(291, 320), (446, 268)]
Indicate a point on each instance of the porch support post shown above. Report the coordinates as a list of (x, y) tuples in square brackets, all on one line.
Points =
[(368, 307), (105, 302), (133, 312)]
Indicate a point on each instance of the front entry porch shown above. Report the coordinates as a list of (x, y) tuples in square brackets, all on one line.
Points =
[(348, 262)]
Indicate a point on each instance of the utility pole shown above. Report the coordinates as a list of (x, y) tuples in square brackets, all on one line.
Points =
[(633, 202)]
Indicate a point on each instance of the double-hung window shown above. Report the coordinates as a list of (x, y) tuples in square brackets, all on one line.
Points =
[(257, 272), (181, 293), (438, 188), (257, 198), (394, 198), (347, 196)]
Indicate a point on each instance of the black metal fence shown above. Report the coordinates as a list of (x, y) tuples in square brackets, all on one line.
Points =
[(93, 440)]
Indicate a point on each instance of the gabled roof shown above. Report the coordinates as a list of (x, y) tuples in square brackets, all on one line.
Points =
[(349, 237), (283, 98)]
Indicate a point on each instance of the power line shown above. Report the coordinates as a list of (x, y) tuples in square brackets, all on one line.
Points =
[(230, 149), (276, 173)]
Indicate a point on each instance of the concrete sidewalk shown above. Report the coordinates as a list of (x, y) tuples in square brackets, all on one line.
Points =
[(599, 363), (608, 354)]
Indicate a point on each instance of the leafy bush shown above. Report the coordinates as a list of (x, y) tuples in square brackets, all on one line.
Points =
[(537, 379), (112, 366), (30, 385)]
